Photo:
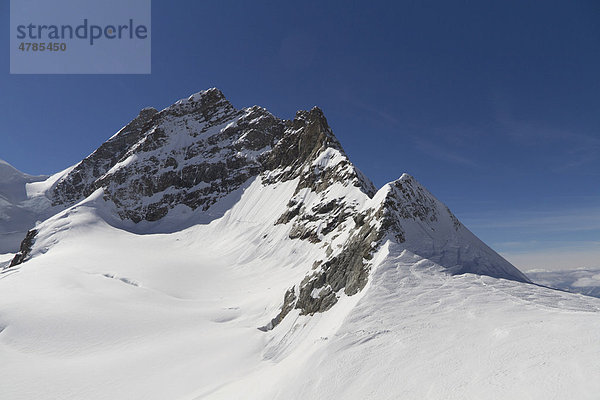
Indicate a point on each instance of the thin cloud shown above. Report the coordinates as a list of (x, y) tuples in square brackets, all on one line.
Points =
[(429, 148), (552, 240), (583, 219), (355, 102), (442, 153), (528, 246), (578, 149)]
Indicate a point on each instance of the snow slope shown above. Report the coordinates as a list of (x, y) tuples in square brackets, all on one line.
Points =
[(418, 333), (176, 316), (261, 264)]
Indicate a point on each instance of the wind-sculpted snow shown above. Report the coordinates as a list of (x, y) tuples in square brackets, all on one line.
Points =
[(418, 333)]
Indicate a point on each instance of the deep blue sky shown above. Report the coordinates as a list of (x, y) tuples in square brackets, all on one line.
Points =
[(492, 105)]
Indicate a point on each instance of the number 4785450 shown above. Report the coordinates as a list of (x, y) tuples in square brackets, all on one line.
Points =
[(50, 46)]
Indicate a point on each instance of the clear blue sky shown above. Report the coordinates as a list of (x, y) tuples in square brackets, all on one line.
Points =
[(492, 105)]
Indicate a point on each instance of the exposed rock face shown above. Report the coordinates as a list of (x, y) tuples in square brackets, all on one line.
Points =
[(25, 249), (289, 300), (163, 174), (310, 152), (192, 153), (304, 152)]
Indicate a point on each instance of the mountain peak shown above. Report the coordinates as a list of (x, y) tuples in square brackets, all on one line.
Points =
[(9, 173), (208, 103), (426, 226), (209, 95), (314, 113)]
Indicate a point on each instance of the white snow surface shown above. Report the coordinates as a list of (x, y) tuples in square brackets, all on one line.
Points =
[(101, 312)]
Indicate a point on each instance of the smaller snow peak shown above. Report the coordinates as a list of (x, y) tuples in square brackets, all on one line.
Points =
[(425, 226), (408, 180), (409, 190), (9, 173), (405, 203), (411, 201)]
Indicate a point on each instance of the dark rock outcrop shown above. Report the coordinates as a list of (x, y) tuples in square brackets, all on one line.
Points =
[(288, 305), (25, 249), (307, 136)]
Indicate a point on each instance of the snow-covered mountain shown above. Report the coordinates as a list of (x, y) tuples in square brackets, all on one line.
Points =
[(210, 252)]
